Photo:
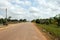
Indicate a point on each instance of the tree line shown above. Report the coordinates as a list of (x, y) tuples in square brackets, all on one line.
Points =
[(51, 20), (9, 20)]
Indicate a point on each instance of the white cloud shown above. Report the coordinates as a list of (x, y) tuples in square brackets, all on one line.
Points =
[(1, 16), (17, 8), (34, 10)]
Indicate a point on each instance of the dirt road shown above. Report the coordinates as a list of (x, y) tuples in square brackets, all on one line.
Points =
[(22, 31)]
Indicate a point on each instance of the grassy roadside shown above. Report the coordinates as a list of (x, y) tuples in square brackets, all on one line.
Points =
[(50, 29)]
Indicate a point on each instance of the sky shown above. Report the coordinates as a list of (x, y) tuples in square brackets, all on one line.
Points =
[(29, 9)]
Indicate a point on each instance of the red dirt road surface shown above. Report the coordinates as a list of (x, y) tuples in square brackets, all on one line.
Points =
[(22, 31)]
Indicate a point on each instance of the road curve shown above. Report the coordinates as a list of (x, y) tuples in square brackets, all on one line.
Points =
[(22, 31)]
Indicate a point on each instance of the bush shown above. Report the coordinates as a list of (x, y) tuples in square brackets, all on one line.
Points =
[(37, 21), (47, 23)]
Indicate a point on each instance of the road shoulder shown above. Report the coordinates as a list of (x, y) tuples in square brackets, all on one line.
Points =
[(44, 33)]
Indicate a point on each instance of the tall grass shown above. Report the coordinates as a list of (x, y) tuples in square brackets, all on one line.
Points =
[(53, 29)]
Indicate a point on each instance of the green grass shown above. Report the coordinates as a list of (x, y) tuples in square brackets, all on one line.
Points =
[(53, 29)]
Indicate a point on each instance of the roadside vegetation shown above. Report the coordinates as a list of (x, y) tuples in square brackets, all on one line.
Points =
[(11, 21), (51, 25)]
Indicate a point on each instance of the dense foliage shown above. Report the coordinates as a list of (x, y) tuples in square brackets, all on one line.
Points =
[(9, 20), (52, 20), (51, 25)]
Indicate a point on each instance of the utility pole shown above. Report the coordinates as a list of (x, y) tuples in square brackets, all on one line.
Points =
[(6, 22), (6, 13), (6, 17)]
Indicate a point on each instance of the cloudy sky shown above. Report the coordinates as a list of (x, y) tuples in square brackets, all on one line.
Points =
[(29, 9)]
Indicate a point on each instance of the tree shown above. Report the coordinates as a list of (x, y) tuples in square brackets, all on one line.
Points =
[(24, 20), (38, 21), (57, 18), (5, 22), (33, 20), (1, 21), (20, 20), (47, 22), (50, 20), (9, 18)]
